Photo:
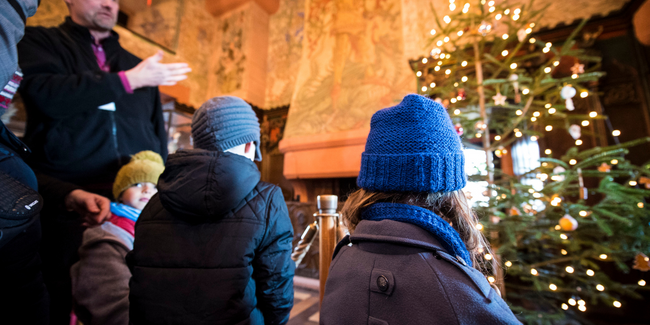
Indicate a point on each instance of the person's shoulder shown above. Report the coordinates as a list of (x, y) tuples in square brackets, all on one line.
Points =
[(40, 31), (267, 190)]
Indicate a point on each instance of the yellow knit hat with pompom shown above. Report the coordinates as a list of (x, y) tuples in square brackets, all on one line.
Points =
[(145, 166)]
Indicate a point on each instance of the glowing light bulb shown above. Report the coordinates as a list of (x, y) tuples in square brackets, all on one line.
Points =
[(603, 256), (614, 161), (453, 100), (491, 9), (583, 213), (593, 114), (574, 76), (581, 302), (517, 11), (448, 71), (532, 40), (548, 128), (508, 264), (491, 3), (533, 272), (617, 304), (488, 257), (547, 69), (455, 84), (479, 226), (463, 79), (419, 73), (572, 302), (439, 43), (452, 7), (590, 272), (584, 94), (642, 283), (600, 287), (506, 12), (616, 133), (547, 105), (546, 49), (497, 137), (460, 33), (585, 123), (552, 110), (504, 53), (518, 134), (525, 91), (464, 63), (437, 68), (533, 119), (632, 183), (557, 227), (432, 85), (569, 269), (504, 36), (552, 286), (529, 30), (578, 142), (439, 62), (565, 237), (640, 205), (424, 88), (519, 112), (565, 306), (447, 19), (498, 17), (548, 44), (564, 252), (513, 66), (582, 308), (548, 151), (457, 112), (446, 39), (432, 32), (556, 63)]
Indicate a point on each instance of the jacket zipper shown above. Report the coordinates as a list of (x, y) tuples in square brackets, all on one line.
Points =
[(114, 133)]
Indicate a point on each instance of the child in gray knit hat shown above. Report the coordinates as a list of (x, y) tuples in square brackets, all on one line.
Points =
[(214, 246)]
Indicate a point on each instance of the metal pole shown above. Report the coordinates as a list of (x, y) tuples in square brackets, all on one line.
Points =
[(328, 222)]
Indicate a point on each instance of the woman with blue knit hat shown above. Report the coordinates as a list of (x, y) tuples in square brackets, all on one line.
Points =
[(413, 253)]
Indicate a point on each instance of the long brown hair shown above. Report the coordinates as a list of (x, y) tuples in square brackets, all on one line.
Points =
[(451, 206)]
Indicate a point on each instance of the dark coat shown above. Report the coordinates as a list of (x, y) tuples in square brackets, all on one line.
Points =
[(63, 86), (213, 246), (397, 273)]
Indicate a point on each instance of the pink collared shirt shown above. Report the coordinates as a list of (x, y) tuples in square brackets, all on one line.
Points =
[(100, 55)]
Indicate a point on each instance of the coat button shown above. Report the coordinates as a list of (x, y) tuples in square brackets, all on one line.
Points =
[(382, 283)]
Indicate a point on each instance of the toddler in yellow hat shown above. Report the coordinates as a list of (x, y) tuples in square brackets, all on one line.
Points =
[(100, 280)]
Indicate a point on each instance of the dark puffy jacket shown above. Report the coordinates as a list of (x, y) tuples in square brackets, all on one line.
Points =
[(213, 246), (398, 273)]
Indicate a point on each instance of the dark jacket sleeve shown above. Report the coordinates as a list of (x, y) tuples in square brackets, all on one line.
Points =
[(57, 93), (54, 190), (273, 268), (158, 122)]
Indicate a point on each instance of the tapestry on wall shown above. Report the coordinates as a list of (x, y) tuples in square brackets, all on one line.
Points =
[(352, 65)]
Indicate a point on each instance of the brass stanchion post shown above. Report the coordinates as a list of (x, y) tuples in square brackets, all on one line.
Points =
[(328, 225)]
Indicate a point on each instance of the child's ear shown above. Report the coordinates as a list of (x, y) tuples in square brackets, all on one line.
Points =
[(247, 148)]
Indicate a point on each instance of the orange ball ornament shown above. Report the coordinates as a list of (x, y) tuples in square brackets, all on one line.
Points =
[(568, 223)]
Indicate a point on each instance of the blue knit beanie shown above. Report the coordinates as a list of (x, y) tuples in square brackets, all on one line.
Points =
[(225, 122), (412, 147)]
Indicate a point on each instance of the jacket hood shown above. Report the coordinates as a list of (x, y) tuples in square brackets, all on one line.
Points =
[(206, 184)]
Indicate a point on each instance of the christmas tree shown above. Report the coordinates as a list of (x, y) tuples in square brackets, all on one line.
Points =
[(550, 232)]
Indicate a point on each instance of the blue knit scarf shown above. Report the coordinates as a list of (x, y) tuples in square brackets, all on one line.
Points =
[(424, 219), (123, 210)]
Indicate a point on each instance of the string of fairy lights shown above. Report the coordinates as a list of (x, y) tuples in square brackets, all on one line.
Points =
[(449, 41)]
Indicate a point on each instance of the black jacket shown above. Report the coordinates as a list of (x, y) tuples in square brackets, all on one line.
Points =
[(212, 247), (63, 87)]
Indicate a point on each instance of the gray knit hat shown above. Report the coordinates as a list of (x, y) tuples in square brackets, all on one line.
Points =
[(225, 122)]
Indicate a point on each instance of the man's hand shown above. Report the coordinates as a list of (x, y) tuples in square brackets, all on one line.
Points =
[(95, 209), (151, 73)]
